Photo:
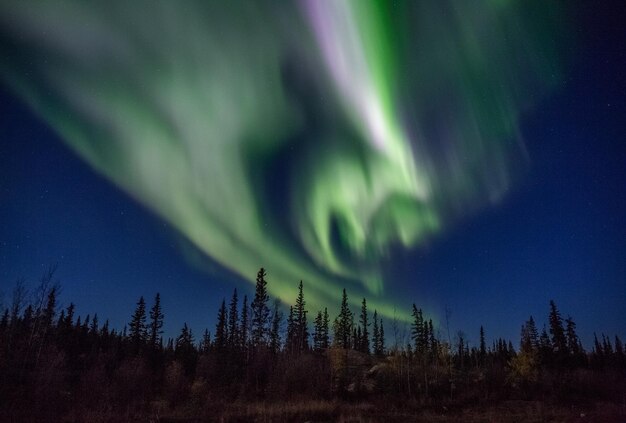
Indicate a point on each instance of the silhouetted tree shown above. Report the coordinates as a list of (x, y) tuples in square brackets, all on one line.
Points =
[(300, 327), (137, 325), (275, 329), (364, 344), (205, 344), (233, 323), (221, 330), (325, 333), (260, 311), (343, 325), (318, 332), (559, 342), (418, 334), (483, 346), (185, 351), (245, 323), (156, 322)]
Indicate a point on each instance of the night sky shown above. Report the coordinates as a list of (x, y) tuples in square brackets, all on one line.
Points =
[(555, 230)]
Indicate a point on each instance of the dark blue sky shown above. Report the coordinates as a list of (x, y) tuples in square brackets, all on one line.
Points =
[(561, 234)]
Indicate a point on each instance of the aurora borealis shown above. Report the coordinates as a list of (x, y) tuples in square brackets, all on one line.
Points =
[(310, 138)]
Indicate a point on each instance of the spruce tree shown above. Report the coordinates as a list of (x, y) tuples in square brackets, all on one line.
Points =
[(483, 347), (433, 342), (318, 332), (245, 323), (300, 323), (233, 322), (364, 340), (221, 329), (156, 322), (185, 351), (343, 325), (325, 332), (137, 325), (275, 329), (381, 350), (545, 347), (260, 311), (559, 342), (417, 331), (49, 311), (290, 344), (205, 345), (571, 336), (376, 334)]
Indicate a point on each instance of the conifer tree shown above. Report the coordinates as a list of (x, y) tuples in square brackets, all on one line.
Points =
[(260, 311), (559, 342), (245, 323), (343, 325), (221, 329), (376, 334), (432, 341), (156, 322), (571, 336), (483, 347), (205, 345), (137, 325), (233, 323), (290, 344), (325, 332), (93, 328), (49, 311), (185, 350), (318, 332), (417, 331), (381, 349), (300, 324), (364, 338), (275, 329)]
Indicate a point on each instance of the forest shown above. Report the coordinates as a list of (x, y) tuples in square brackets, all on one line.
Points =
[(264, 361)]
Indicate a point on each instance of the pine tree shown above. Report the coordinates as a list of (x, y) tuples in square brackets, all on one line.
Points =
[(382, 338), (205, 345), (528, 337), (243, 328), (185, 350), (260, 311), (290, 344), (233, 323), (376, 334), (156, 322), (343, 325), (49, 311), (606, 345), (318, 332), (571, 336), (275, 329), (483, 347), (364, 339), (325, 333), (417, 331), (545, 347), (434, 344), (300, 323), (221, 329), (93, 328), (559, 342), (137, 325)]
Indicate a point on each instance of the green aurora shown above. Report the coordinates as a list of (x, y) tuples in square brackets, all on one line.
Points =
[(308, 137)]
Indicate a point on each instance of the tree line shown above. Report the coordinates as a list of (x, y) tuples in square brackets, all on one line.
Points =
[(55, 363)]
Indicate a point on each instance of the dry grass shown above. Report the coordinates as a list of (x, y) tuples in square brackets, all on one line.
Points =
[(333, 411)]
